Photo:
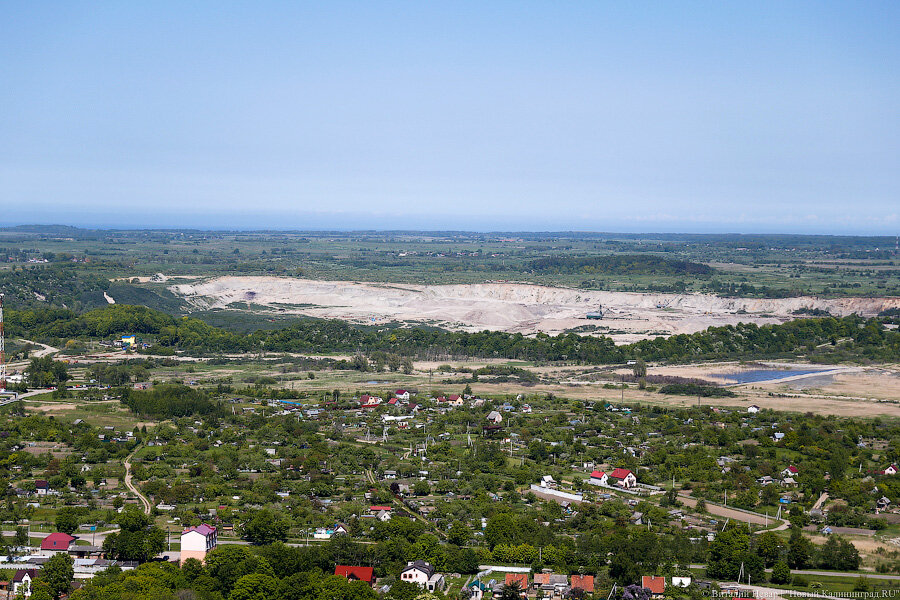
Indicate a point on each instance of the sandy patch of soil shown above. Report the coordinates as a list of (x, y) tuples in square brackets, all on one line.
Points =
[(509, 307), (53, 407)]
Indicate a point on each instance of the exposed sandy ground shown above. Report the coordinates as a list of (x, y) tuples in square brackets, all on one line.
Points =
[(857, 391), (877, 384), (509, 307), (730, 513), (53, 407)]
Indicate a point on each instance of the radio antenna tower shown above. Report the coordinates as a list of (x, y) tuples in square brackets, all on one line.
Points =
[(2, 357)]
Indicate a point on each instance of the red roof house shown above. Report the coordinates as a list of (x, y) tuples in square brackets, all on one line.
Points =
[(623, 477), (598, 478), (58, 542), (355, 573), (520, 578), (656, 585), (583, 582)]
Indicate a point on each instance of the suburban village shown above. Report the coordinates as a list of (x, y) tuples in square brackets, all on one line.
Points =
[(403, 493)]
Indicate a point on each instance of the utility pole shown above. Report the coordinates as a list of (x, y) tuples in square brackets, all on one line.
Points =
[(2, 357)]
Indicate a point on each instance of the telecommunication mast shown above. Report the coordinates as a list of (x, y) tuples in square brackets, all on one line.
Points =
[(2, 357)]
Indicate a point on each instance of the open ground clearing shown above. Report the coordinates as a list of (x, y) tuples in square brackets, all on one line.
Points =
[(510, 307)]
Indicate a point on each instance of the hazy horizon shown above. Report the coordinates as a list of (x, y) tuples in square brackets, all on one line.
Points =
[(693, 117)]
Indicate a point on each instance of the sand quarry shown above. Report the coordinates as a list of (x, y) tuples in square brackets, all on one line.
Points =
[(510, 307)]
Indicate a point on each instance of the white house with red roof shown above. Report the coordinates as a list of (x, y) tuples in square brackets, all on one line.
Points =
[(56, 543), (891, 470), (197, 541), (598, 478), (791, 471), (402, 395), (623, 478), (382, 513)]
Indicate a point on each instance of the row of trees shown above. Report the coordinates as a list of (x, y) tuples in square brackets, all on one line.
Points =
[(866, 338), (736, 552)]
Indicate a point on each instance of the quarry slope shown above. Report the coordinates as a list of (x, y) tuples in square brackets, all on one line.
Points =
[(510, 307)]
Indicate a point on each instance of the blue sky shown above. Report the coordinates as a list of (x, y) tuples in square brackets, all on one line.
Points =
[(645, 116)]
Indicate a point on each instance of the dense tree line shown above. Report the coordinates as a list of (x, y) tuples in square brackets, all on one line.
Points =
[(830, 337), (169, 400)]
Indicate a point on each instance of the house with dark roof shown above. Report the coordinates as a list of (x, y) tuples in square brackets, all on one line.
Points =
[(477, 589), (551, 583), (422, 574), (21, 582)]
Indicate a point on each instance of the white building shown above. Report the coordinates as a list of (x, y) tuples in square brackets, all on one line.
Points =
[(598, 478), (21, 583), (623, 478), (422, 574), (197, 541)]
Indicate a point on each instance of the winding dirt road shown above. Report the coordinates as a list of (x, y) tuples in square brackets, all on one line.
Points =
[(132, 487)]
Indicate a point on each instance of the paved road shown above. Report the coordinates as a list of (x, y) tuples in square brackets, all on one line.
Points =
[(24, 395), (131, 486), (870, 575), (866, 574), (767, 593)]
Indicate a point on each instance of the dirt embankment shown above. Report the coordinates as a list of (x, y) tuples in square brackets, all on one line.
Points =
[(510, 307)]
